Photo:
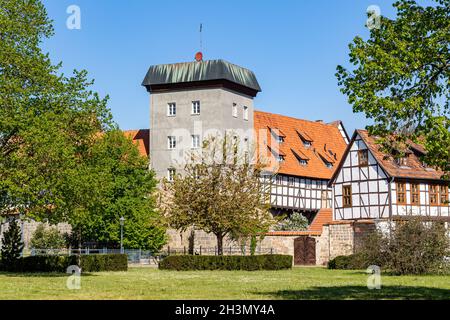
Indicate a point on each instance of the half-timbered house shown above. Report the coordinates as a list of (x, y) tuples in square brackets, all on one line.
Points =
[(370, 184), (302, 157)]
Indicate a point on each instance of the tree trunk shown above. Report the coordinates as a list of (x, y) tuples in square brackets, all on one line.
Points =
[(219, 244), (191, 242)]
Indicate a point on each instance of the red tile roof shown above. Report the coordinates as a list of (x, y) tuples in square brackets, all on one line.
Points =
[(327, 143), (324, 216), (414, 168), (142, 139)]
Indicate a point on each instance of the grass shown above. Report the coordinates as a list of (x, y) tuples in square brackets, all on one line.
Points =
[(151, 283)]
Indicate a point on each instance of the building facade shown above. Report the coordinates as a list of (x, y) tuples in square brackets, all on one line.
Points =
[(192, 101), (370, 184)]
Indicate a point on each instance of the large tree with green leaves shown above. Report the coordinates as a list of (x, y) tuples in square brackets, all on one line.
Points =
[(47, 121), (121, 185), (62, 158), (399, 78), (219, 191)]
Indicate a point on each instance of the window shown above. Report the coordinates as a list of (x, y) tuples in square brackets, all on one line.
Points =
[(363, 158), (171, 142), (281, 158), (401, 161), (328, 164), (280, 139), (303, 162), (279, 180), (347, 196), (307, 144), (443, 195), (195, 107), (434, 195), (235, 110), (171, 109), (195, 141), (171, 174), (291, 181), (401, 193), (245, 113), (415, 193)]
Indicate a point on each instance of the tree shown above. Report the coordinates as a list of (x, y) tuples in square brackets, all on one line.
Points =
[(414, 246), (12, 244), (400, 79), (47, 238), (47, 121), (55, 165), (295, 222), (121, 185), (219, 191)]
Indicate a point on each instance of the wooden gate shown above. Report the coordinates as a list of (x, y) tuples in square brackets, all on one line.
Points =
[(304, 251)]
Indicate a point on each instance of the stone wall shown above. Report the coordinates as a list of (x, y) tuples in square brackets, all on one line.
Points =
[(270, 244), (342, 238), (29, 227)]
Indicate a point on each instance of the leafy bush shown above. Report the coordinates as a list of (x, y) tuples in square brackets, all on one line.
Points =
[(87, 263), (296, 222), (414, 246), (351, 262), (104, 262), (249, 263), (47, 238)]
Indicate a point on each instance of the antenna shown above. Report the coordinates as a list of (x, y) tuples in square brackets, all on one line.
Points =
[(201, 37), (199, 55)]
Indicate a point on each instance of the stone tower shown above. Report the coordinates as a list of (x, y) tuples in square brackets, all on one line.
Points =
[(192, 101)]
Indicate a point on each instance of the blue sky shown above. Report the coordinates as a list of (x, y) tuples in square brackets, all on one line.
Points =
[(292, 46)]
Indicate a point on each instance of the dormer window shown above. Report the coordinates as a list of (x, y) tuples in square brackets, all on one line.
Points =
[(326, 160), (278, 135), (306, 139), (303, 162), (281, 158), (402, 162), (302, 158)]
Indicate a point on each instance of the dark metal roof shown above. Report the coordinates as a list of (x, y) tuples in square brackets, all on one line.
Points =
[(200, 71)]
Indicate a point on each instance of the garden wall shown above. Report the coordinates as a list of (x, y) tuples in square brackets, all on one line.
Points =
[(29, 227)]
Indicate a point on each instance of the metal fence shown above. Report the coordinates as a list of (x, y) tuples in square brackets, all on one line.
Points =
[(137, 256)]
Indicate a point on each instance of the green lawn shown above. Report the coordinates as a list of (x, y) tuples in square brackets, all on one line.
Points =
[(151, 283)]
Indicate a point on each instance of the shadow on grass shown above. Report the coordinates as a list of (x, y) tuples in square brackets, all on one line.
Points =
[(362, 293), (41, 274)]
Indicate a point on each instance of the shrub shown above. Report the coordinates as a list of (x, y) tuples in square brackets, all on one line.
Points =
[(41, 264), (414, 246), (104, 262), (47, 238), (353, 261), (249, 263), (87, 263), (12, 244), (296, 222)]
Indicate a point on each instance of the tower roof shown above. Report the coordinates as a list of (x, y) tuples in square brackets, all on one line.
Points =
[(199, 72)]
